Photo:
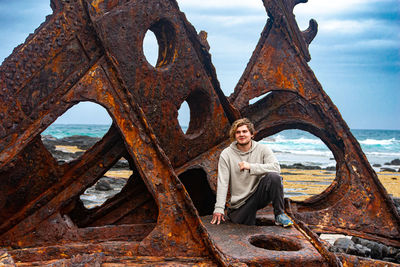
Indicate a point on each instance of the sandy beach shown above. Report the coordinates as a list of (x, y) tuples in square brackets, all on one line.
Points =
[(301, 184)]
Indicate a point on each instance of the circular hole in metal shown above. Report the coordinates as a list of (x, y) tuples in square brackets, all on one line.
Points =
[(196, 111), (274, 243), (184, 116), (164, 33), (307, 164), (150, 48)]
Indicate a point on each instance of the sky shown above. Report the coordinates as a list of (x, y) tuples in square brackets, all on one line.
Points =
[(355, 55)]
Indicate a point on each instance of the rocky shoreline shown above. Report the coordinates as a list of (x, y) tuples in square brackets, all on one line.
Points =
[(366, 248)]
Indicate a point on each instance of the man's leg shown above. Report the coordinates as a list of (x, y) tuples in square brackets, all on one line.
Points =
[(269, 189), (274, 193), (246, 214)]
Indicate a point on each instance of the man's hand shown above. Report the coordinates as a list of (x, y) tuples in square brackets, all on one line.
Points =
[(217, 217), (243, 165)]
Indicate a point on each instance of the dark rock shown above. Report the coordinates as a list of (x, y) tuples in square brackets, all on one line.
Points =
[(300, 166), (103, 185), (377, 251), (62, 156), (397, 257), (356, 239), (360, 247), (392, 252), (305, 167), (331, 168), (389, 259), (385, 251), (49, 138), (61, 162), (121, 164), (377, 165), (362, 251), (284, 166), (393, 162), (115, 182), (396, 201), (344, 245), (385, 169)]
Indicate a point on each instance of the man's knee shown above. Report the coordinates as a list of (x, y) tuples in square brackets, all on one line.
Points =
[(275, 178)]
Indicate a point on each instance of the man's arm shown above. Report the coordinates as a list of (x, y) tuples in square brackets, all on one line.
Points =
[(269, 164), (222, 191)]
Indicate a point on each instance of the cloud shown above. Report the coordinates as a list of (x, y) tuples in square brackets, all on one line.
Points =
[(249, 4), (355, 26), (229, 20), (364, 45), (328, 7)]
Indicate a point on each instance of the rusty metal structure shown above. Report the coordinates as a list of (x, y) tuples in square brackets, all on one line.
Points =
[(92, 50)]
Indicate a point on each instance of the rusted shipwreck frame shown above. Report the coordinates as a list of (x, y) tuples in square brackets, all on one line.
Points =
[(91, 50)]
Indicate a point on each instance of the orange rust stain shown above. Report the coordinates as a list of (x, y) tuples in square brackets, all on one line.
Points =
[(281, 79), (96, 3)]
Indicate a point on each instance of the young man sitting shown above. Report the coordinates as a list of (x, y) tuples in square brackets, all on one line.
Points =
[(252, 171)]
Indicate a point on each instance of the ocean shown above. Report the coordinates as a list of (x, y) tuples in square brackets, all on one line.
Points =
[(289, 146)]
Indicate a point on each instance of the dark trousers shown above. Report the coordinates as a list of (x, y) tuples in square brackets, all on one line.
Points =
[(270, 189)]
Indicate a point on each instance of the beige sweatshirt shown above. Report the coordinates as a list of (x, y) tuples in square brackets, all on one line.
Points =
[(242, 183)]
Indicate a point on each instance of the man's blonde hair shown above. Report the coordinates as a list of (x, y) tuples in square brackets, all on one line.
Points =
[(240, 122)]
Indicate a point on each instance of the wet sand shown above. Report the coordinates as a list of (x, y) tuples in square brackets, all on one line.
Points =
[(69, 149), (301, 184), (119, 174)]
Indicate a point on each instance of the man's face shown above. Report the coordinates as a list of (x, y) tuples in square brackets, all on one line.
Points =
[(243, 135)]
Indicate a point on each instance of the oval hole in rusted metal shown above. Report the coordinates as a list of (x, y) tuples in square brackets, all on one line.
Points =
[(165, 34), (184, 116), (198, 102), (150, 48), (307, 164), (274, 243)]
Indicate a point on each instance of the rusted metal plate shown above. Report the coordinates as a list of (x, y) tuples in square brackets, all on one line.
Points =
[(91, 50)]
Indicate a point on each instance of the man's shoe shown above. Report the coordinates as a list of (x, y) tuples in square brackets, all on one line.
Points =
[(283, 219)]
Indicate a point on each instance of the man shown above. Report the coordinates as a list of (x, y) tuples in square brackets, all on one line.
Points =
[(252, 171)]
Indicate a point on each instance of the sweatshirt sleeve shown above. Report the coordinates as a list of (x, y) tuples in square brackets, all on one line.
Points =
[(222, 186), (270, 163)]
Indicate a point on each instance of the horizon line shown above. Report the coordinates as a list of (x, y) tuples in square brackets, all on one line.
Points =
[(188, 126)]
